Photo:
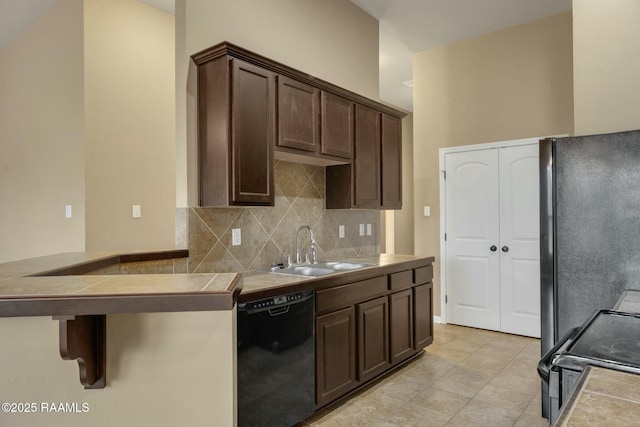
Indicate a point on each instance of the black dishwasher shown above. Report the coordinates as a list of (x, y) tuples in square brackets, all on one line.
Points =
[(276, 360)]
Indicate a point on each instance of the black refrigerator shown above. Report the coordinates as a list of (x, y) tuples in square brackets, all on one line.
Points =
[(589, 228)]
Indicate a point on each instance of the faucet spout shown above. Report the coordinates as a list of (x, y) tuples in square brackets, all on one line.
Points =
[(314, 250)]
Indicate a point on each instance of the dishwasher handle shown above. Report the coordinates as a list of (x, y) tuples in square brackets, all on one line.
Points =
[(278, 311)]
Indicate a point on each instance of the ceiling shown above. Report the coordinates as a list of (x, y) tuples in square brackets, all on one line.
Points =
[(410, 26), (406, 27)]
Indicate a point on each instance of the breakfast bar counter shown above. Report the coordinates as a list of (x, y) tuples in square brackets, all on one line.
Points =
[(138, 325), (63, 284)]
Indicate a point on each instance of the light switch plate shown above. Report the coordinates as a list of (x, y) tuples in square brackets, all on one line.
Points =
[(67, 211), (136, 211), (361, 229), (427, 211), (341, 231), (369, 230), (236, 237)]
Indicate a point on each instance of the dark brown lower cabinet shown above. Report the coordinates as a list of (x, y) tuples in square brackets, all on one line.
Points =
[(401, 309), (335, 355), (367, 327), (423, 308), (373, 338)]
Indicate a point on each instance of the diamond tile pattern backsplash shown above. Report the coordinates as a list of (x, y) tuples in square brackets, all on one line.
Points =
[(269, 232)]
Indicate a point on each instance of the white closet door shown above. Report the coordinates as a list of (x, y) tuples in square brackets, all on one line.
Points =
[(520, 240), (472, 218), (492, 251)]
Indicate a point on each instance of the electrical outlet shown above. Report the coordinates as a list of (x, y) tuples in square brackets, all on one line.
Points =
[(361, 229), (341, 231), (67, 211), (236, 237), (369, 230), (136, 211)]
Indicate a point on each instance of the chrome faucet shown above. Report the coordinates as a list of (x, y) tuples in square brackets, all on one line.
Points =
[(314, 250)]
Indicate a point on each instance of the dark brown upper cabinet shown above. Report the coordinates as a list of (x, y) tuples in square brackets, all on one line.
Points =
[(374, 178), (366, 165), (236, 133), (298, 115), (252, 109), (337, 125), (391, 162)]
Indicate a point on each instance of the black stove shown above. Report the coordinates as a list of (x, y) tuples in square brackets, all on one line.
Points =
[(609, 339)]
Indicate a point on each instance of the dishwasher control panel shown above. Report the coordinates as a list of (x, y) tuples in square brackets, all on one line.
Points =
[(276, 301)]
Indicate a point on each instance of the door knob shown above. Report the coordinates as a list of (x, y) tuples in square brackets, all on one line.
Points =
[(493, 248), (505, 249)]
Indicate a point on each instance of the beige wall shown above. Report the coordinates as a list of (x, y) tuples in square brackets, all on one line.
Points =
[(511, 84), (331, 39), (403, 219), (157, 375), (129, 66), (606, 51), (41, 148)]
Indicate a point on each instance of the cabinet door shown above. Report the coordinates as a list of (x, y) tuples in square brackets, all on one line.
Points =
[(423, 304), (366, 164), (337, 125), (391, 168), (373, 338), (298, 115), (253, 135), (401, 311), (335, 355)]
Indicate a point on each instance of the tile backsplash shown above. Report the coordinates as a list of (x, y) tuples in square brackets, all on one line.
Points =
[(269, 232)]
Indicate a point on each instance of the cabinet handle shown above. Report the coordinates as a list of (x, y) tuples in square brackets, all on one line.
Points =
[(505, 249), (493, 248)]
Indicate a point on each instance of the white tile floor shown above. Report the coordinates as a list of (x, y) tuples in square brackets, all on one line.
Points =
[(468, 377)]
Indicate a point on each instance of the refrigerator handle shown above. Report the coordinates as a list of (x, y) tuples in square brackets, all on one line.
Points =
[(548, 328)]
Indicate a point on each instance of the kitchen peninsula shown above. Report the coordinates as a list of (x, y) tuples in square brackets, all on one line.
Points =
[(170, 341), (169, 345)]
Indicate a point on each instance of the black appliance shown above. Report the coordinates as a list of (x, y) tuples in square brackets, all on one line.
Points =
[(276, 360), (609, 339), (589, 229)]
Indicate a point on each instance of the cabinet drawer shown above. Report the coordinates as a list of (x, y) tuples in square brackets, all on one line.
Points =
[(341, 296), (401, 280), (423, 275)]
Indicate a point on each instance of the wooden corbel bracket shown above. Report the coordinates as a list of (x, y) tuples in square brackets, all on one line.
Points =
[(83, 338)]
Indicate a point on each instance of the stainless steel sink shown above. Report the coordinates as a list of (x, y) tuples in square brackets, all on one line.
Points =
[(340, 265), (321, 268)]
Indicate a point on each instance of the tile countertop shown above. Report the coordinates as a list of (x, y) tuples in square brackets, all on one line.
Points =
[(263, 284), (53, 285), (603, 397), (46, 286)]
